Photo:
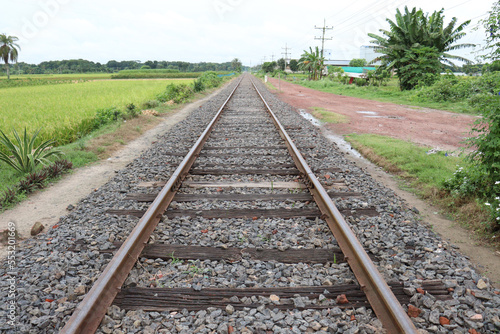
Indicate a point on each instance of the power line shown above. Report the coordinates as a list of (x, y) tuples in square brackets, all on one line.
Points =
[(324, 28)]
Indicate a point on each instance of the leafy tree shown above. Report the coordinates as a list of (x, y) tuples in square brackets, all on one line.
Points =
[(236, 65), (492, 27), (358, 62), (269, 66), (8, 50), (413, 30), (281, 64), (294, 65)]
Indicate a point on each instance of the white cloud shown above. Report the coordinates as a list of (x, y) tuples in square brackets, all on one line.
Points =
[(200, 30)]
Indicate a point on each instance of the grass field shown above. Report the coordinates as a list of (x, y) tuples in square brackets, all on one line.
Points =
[(61, 110)]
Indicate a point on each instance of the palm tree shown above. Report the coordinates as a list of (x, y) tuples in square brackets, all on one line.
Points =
[(414, 30), (8, 50)]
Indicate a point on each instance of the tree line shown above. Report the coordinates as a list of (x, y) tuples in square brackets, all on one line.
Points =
[(87, 66)]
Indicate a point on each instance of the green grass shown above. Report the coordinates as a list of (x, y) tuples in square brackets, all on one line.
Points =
[(151, 74), (388, 93), (63, 110), (425, 171), (329, 116)]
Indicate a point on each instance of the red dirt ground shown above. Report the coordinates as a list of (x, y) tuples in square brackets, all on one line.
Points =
[(429, 127)]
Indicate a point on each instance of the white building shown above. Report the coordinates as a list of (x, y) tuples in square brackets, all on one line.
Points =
[(368, 53)]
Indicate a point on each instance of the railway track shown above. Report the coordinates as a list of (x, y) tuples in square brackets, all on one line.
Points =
[(233, 232), (247, 169)]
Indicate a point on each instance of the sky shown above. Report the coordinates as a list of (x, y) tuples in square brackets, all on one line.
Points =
[(211, 30)]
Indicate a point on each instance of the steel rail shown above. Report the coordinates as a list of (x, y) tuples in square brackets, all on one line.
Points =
[(89, 313), (384, 303)]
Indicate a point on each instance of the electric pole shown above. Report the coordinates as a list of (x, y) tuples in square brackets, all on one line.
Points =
[(324, 28), (272, 57), (286, 53)]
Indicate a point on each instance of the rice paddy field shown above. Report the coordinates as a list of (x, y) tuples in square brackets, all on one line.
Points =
[(63, 110)]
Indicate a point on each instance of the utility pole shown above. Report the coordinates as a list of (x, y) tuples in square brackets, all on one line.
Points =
[(272, 57), (286, 53), (324, 28)]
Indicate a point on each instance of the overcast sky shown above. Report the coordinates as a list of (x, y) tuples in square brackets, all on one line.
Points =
[(209, 30)]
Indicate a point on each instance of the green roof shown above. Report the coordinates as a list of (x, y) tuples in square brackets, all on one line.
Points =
[(357, 69)]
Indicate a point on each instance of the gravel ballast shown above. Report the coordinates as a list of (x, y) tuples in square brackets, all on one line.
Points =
[(56, 269)]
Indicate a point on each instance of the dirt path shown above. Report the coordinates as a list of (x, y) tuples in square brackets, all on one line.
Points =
[(435, 128), (429, 127), (48, 205)]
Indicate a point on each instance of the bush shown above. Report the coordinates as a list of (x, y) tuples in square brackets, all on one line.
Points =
[(211, 79), (482, 177), (132, 111), (177, 93), (198, 85), (452, 88), (106, 116), (360, 82), (150, 104)]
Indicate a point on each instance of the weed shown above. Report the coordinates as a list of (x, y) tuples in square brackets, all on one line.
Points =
[(175, 260), (9, 196), (194, 269)]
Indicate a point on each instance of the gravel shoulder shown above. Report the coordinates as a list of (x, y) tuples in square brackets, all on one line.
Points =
[(436, 128)]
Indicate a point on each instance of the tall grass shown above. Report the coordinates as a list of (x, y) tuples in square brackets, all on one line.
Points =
[(65, 111)]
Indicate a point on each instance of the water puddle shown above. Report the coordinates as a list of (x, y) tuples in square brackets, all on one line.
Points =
[(314, 121), (389, 117), (367, 112), (339, 140)]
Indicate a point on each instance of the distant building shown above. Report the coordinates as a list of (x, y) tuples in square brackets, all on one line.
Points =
[(337, 62), (369, 54)]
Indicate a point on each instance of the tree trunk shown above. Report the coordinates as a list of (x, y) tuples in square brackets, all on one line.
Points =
[(7, 68)]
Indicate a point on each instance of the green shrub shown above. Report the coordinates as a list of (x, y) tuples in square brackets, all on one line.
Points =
[(131, 110), (360, 82), (106, 116), (150, 104), (455, 89), (177, 93), (481, 178), (210, 79), (198, 85)]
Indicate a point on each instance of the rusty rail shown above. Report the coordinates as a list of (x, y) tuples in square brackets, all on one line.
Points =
[(89, 313), (384, 303)]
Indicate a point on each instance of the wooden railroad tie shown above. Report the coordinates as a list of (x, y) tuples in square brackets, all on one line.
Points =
[(177, 299)]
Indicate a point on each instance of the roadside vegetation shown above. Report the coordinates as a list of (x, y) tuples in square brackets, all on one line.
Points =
[(418, 48), (80, 122)]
